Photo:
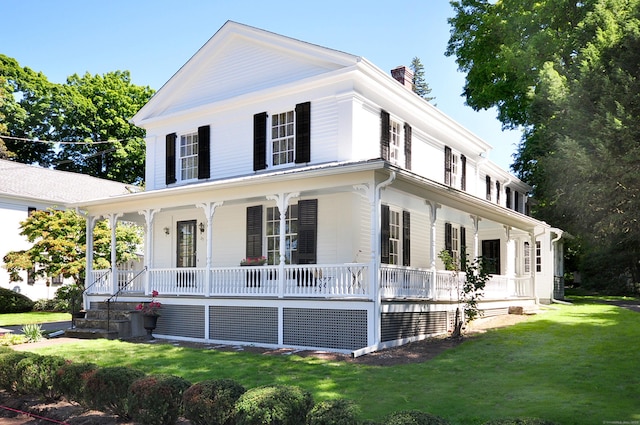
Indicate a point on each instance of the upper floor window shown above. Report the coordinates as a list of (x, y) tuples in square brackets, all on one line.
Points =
[(189, 156), (488, 181), (287, 142), (455, 169), (395, 141)]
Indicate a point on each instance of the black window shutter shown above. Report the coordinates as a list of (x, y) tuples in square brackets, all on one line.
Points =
[(407, 146), (303, 133), (204, 155), (508, 194), (307, 231), (448, 238), (447, 165), (497, 192), (384, 234), (488, 180), (406, 238), (516, 201), (260, 141), (254, 231), (463, 245), (463, 172), (170, 158), (385, 129)]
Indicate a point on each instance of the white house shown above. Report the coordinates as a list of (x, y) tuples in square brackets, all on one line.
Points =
[(347, 182), (25, 188)]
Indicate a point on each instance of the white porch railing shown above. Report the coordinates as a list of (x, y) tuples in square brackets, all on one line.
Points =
[(314, 280), (403, 282)]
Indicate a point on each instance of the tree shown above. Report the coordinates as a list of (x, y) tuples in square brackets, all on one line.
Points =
[(59, 245), (420, 86), (95, 109)]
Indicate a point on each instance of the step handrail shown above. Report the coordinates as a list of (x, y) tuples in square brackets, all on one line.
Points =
[(115, 296)]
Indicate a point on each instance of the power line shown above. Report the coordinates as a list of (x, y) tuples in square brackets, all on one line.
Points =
[(23, 139)]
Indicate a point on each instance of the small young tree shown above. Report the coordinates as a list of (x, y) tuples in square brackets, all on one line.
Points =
[(59, 245)]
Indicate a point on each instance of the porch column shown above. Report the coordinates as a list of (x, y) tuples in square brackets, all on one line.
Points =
[(209, 209), (433, 210), (88, 279), (511, 262), (113, 222), (148, 245), (476, 226), (282, 202)]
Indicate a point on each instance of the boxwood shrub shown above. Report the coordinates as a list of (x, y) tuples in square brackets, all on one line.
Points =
[(212, 401), (36, 375), (413, 417), (107, 389), (71, 378), (13, 302), (334, 412), (9, 367), (519, 421), (278, 404), (156, 399)]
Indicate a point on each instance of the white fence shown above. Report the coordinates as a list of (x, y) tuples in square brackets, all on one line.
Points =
[(315, 280)]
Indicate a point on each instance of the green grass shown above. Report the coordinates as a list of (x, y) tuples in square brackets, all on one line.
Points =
[(17, 319), (572, 365)]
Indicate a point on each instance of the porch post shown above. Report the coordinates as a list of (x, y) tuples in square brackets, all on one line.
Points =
[(209, 209), (433, 209), (476, 226), (113, 222), (88, 279), (148, 245), (511, 262), (282, 202)]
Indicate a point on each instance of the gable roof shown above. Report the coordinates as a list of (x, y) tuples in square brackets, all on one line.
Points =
[(31, 182), (224, 67)]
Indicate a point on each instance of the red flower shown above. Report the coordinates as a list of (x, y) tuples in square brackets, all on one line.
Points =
[(151, 308)]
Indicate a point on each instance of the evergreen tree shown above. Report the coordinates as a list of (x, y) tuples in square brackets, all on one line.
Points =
[(419, 84)]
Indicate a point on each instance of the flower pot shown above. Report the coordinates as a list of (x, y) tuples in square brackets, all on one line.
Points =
[(149, 322)]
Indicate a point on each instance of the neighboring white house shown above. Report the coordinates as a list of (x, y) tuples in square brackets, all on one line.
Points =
[(26, 188), (347, 182)]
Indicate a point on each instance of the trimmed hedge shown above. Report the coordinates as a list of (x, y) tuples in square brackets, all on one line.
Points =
[(71, 379), (36, 375), (334, 412), (107, 388), (277, 404), (13, 302), (212, 401), (9, 367), (413, 417), (156, 400), (520, 421)]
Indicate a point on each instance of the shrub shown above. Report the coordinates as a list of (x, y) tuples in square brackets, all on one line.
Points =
[(107, 388), (71, 379), (33, 332), (278, 404), (156, 400), (520, 421), (212, 402), (12, 339), (8, 368), (334, 412), (413, 417), (13, 302), (50, 305), (36, 375)]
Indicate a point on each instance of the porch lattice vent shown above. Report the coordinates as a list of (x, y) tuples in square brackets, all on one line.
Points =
[(244, 324), (181, 320), (330, 328), (401, 325)]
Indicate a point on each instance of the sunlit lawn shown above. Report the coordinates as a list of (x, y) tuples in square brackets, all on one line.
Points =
[(572, 364), (16, 319)]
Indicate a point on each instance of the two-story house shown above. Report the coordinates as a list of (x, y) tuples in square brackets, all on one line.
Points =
[(336, 176)]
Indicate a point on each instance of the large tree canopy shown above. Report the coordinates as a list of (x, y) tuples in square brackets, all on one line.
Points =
[(568, 72), (86, 119)]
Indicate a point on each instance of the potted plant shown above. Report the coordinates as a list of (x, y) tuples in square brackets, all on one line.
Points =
[(253, 261), (150, 313)]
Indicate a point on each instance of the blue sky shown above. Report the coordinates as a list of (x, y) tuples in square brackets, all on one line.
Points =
[(153, 39)]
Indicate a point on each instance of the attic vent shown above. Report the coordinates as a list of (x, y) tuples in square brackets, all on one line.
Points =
[(404, 76)]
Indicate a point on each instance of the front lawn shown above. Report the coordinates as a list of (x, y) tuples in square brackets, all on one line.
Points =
[(572, 365)]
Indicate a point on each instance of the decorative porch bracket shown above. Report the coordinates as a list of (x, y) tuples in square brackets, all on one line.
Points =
[(282, 202), (148, 244), (209, 209)]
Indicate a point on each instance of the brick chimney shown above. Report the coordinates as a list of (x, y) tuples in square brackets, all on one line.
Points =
[(404, 76)]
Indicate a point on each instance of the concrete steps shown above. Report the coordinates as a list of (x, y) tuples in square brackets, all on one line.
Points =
[(115, 321)]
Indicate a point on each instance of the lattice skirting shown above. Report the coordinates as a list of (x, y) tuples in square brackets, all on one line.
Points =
[(327, 328), (400, 325)]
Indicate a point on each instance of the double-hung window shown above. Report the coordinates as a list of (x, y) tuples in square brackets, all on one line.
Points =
[(273, 235), (395, 143), (282, 138), (189, 156), (395, 236), (455, 169)]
